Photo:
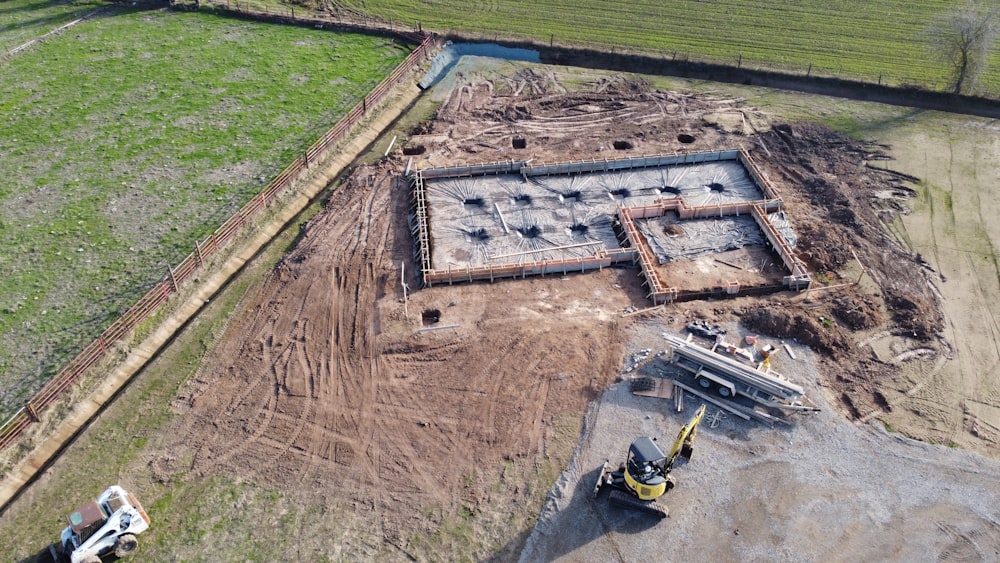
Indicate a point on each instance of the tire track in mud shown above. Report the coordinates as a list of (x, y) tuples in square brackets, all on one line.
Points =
[(973, 545), (298, 399), (487, 424), (266, 439), (351, 369)]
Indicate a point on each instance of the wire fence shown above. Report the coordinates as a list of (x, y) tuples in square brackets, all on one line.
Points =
[(196, 261)]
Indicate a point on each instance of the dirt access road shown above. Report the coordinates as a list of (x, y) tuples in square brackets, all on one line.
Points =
[(328, 388)]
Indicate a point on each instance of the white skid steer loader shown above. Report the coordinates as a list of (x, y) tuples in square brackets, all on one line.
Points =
[(102, 527)]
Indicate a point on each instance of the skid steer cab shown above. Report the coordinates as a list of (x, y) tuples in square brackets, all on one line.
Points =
[(101, 527), (645, 475)]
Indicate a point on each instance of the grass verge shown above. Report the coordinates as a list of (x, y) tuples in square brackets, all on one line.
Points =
[(24, 20), (121, 446), (133, 136)]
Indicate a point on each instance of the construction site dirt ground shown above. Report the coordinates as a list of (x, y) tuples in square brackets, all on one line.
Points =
[(328, 385)]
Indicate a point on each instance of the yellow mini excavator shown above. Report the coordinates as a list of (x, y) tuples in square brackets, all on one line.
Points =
[(645, 475)]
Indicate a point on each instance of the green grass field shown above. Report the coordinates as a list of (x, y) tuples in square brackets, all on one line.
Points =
[(23, 20), (131, 136), (847, 38)]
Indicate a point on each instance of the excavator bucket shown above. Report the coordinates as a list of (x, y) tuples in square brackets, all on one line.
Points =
[(602, 477), (686, 451)]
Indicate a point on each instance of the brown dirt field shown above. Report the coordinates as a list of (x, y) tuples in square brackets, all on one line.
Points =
[(317, 386), (329, 388)]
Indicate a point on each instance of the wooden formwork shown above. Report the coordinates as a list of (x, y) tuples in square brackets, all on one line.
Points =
[(658, 291), (770, 192), (563, 266), (647, 262), (628, 163), (638, 248), (799, 276), (421, 229)]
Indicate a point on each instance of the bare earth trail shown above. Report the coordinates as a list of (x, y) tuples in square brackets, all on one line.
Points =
[(955, 229)]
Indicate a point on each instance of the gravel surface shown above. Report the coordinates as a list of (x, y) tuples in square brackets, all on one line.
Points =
[(823, 489)]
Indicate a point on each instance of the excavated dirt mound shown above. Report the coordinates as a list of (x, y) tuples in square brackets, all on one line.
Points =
[(332, 377)]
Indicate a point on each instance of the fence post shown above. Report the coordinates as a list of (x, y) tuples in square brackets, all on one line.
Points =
[(32, 414), (197, 252), (173, 280)]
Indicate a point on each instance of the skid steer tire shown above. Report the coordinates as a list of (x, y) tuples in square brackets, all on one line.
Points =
[(625, 500), (126, 545), (643, 384)]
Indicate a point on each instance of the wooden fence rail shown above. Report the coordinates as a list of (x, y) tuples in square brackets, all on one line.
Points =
[(188, 268)]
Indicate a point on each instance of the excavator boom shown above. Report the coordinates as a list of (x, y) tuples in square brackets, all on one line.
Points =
[(683, 445)]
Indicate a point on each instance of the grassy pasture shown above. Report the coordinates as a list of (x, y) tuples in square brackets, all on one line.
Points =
[(24, 20), (128, 138), (848, 38)]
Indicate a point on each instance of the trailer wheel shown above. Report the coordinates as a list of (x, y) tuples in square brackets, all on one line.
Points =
[(126, 545), (704, 382), (725, 392)]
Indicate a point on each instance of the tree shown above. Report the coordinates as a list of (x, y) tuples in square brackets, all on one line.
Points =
[(963, 39)]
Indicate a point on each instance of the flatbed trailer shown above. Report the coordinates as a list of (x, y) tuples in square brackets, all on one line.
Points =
[(731, 377)]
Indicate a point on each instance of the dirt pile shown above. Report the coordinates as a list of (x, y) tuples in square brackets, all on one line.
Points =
[(839, 202), (849, 200)]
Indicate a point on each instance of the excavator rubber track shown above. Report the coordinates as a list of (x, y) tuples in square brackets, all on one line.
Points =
[(625, 500)]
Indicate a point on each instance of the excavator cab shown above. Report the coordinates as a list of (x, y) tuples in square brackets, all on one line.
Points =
[(645, 469)]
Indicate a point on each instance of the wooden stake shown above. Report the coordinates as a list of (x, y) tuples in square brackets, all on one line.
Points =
[(430, 328), (502, 221), (402, 279)]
